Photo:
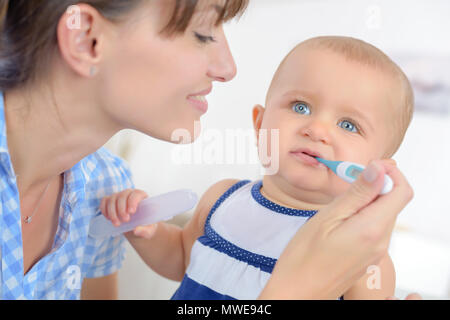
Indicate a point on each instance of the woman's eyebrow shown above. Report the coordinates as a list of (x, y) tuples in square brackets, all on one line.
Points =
[(217, 7), (213, 7)]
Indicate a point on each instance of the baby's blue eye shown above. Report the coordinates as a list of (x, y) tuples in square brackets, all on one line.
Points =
[(301, 108), (347, 125)]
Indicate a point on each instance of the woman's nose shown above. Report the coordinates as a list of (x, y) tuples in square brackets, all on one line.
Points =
[(316, 131), (222, 66)]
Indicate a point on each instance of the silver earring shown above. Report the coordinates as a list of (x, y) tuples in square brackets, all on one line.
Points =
[(92, 71)]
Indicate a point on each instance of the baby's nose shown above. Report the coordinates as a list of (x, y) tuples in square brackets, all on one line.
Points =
[(316, 131)]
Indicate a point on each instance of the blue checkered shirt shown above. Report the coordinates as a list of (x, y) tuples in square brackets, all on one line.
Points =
[(74, 255)]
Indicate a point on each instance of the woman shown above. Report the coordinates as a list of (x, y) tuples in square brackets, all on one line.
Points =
[(73, 76)]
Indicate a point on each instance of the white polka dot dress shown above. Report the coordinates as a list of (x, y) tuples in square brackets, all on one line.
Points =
[(245, 233)]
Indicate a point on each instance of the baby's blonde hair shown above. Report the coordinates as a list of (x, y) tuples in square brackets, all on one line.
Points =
[(367, 54)]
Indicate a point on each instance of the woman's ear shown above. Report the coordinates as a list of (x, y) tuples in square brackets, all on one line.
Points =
[(258, 115), (80, 38)]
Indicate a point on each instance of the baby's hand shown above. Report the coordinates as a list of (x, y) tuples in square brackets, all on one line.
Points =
[(120, 206)]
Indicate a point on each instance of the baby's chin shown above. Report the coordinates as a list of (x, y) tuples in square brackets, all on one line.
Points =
[(312, 193), (317, 192)]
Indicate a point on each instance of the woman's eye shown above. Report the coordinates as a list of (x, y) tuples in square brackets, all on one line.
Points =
[(301, 108), (204, 39), (347, 125)]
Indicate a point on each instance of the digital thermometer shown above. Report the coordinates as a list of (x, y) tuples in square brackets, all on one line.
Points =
[(350, 171), (149, 211)]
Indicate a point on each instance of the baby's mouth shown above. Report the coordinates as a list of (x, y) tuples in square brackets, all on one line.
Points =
[(308, 156)]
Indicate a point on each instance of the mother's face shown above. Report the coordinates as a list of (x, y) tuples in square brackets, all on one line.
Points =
[(155, 84)]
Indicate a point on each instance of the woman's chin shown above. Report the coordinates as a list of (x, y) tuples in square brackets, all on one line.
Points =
[(186, 134)]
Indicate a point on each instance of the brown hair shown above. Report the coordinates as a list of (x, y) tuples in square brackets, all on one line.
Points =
[(28, 29)]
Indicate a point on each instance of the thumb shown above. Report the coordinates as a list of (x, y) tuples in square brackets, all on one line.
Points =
[(362, 192)]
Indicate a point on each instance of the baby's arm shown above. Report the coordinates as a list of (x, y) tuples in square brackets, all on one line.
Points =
[(163, 247), (377, 284)]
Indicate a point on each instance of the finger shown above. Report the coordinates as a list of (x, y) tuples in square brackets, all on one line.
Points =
[(103, 207), (122, 205), (362, 192), (378, 219), (145, 231), (414, 296), (111, 208), (388, 206), (133, 200), (390, 161)]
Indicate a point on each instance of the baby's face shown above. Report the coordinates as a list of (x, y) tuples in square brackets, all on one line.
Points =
[(332, 107)]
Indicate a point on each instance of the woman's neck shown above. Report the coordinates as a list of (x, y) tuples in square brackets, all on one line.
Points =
[(49, 131)]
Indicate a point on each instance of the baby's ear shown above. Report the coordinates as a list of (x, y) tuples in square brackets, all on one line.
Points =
[(258, 115)]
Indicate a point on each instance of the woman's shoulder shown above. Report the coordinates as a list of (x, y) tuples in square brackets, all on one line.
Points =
[(103, 164), (108, 159)]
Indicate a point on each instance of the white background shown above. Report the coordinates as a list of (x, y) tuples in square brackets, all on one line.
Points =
[(420, 247)]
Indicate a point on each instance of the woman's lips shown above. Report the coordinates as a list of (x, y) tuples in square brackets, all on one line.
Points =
[(198, 100)]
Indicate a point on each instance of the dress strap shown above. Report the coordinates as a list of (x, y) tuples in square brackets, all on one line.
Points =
[(223, 197), (212, 239)]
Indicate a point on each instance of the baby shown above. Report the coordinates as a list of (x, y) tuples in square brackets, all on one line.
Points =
[(338, 98)]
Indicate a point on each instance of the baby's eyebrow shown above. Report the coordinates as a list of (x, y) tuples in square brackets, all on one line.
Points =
[(303, 93)]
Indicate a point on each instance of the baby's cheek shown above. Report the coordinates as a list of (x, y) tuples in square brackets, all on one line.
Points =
[(361, 154), (338, 186)]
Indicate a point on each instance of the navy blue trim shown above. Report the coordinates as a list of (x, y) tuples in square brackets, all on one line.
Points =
[(256, 193), (213, 240), (192, 290)]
